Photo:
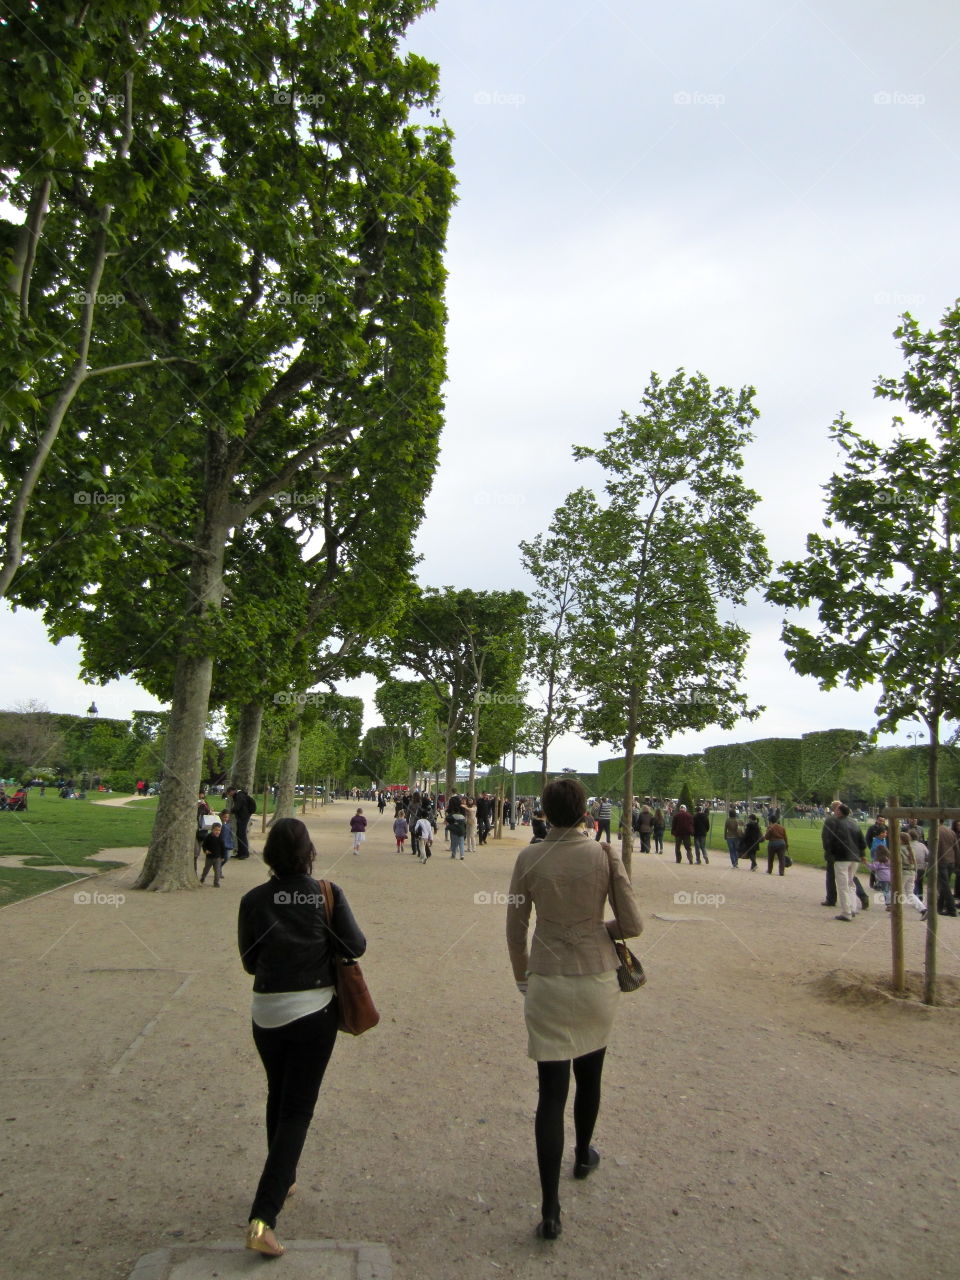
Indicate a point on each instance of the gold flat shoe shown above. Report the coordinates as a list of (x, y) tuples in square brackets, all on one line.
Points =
[(261, 1239), (292, 1191)]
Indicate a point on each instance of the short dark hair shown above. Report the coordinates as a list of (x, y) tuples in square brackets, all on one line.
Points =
[(564, 802), (289, 850), (844, 810)]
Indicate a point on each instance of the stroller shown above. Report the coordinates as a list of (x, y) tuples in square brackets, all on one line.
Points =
[(17, 803)]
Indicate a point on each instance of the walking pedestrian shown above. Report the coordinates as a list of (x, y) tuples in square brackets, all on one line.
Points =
[(567, 977), (294, 1006)]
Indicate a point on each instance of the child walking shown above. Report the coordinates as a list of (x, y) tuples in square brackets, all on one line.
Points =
[(880, 866), (401, 831), (425, 833), (213, 848), (227, 836), (358, 825)]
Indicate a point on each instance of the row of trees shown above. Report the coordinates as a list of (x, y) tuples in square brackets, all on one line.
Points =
[(222, 322)]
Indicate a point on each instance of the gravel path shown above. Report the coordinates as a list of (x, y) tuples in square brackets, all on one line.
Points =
[(750, 1126)]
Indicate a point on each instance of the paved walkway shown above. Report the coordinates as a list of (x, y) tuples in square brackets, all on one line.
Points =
[(739, 1103)]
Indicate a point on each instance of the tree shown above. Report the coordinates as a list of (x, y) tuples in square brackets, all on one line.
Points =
[(551, 626), (77, 89), (306, 353), (468, 646), (672, 543), (885, 576)]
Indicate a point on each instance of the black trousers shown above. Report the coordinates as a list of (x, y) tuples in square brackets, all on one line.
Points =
[(294, 1057), (946, 904), (483, 828), (243, 849), (603, 827), (685, 842)]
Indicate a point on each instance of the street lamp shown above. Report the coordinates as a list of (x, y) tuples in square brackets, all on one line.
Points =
[(916, 736), (748, 778), (92, 713)]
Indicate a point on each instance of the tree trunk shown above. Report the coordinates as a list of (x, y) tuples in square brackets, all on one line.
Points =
[(933, 868), (475, 738), (243, 770), (289, 765), (169, 861), (450, 781), (630, 745)]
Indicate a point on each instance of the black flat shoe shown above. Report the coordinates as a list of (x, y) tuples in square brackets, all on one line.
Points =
[(583, 1168), (549, 1228)]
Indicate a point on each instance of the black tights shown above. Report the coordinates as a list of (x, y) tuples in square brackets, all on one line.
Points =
[(548, 1126)]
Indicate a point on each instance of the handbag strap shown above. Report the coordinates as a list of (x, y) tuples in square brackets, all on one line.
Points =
[(327, 891), (611, 893)]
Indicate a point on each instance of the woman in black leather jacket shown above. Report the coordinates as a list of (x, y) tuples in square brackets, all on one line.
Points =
[(290, 948)]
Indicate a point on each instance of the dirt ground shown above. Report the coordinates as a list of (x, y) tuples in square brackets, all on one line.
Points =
[(755, 1122)]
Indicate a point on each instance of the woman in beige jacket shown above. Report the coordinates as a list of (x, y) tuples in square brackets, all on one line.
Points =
[(568, 977)]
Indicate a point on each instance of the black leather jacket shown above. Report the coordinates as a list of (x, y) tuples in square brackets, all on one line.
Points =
[(283, 936)]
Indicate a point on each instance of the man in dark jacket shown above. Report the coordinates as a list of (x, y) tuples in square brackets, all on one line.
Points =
[(242, 806), (827, 839), (848, 848), (681, 828), (701, 830)]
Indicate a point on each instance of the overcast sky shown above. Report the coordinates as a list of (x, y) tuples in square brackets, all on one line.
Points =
[(756, 190)]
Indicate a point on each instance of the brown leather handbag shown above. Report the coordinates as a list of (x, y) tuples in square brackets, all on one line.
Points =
[(356, 1011)]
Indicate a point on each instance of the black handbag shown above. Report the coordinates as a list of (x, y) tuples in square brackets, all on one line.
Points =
[(630, 974)]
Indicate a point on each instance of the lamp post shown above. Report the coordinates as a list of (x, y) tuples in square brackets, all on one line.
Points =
[(92, 713), (916, 735), (748, 778)]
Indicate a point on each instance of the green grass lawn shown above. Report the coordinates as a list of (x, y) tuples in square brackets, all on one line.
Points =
[(55, 832)]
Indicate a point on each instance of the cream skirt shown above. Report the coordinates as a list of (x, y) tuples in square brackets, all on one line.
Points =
[(568, 1015)]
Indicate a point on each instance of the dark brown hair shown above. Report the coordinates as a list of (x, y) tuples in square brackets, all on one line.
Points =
[(564, 802), (289, 850)]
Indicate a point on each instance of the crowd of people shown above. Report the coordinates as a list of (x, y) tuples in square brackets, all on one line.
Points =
[(564, 878)]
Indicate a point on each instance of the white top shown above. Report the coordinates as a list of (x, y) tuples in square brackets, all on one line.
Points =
[(424, 828), (277, 1008)]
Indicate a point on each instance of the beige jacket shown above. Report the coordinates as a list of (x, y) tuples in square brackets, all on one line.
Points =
[(568, 877)]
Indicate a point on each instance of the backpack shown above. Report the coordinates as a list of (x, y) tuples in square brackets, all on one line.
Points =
[(252, 803)]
